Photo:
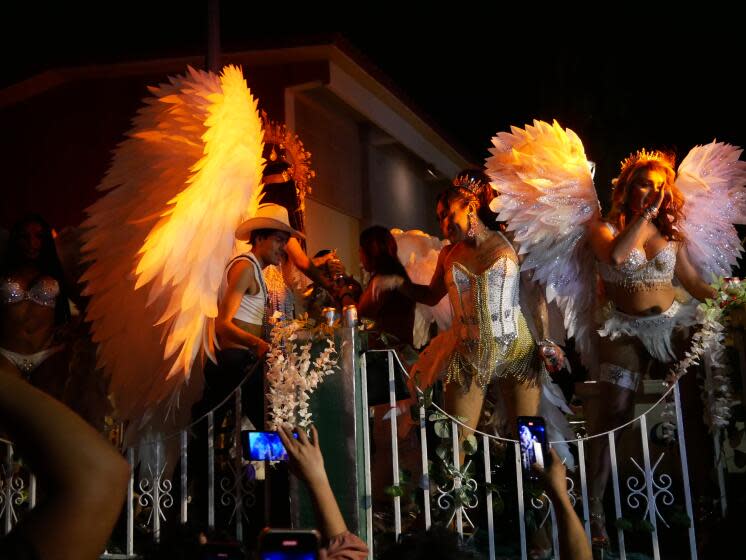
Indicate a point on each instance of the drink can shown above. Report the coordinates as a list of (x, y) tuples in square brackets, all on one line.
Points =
[(350, 315), (330, 315)]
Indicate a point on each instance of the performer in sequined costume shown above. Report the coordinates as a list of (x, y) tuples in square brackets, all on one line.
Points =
[(34, 306), (639, 249), (489, 339), (663, 224)]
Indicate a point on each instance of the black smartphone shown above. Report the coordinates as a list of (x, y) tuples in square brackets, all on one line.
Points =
[(532, 435), (288, 544), (263, 446)]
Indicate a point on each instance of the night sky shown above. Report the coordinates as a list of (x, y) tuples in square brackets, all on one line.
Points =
[(659, 91)]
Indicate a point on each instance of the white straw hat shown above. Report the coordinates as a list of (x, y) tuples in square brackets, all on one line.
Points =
[(268, 216)]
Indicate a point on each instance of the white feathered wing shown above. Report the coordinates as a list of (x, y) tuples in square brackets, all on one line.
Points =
[(712, 180), (419, 252), (547, 198), (157, 242)]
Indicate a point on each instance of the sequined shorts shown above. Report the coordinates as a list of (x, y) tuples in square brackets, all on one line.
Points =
[(27, 363), (514, 358), (654, 331)]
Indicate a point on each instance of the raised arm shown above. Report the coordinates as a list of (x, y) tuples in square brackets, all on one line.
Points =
[(297, 255), (573, 542), (433, 293), (635, 233)]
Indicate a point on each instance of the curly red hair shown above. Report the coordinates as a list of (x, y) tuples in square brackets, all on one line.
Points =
[(671, 211)]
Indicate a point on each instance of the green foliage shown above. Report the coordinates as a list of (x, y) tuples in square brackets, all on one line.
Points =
[(470, 445), (394, 491), (634, 525), (680, 519)]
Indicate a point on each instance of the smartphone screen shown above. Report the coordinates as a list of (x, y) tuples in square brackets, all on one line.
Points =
[(279, 544), (533, 440), (263, 446)]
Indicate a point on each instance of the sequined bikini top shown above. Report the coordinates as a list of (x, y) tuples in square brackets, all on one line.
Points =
[(44, 292), (638, 273)]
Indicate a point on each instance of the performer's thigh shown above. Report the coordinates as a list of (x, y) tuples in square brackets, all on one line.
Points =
[(467, 404), (626, 352), (521, 399), (628, 357), (526, 397)]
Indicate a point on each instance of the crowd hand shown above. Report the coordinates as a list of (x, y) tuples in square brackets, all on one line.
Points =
[(553, 475), (385, 283), (304, 454)]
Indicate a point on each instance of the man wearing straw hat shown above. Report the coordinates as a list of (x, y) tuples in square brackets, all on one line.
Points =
[(242, 304)]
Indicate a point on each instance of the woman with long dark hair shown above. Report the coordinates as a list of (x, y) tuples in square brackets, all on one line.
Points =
[(393, 312), (34, 305)]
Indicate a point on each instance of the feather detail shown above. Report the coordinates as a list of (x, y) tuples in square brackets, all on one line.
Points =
[(547, 198), (185, 177), (712, 179), (419, 252)]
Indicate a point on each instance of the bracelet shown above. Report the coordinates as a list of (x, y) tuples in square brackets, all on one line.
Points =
[(649, 213), (548, 342)]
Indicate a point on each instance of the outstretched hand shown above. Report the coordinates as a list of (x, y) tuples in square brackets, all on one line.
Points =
[(305, 459), (553, 475), (307, 463)]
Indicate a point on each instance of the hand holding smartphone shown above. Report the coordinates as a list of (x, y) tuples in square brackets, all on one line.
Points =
[(532, 435)]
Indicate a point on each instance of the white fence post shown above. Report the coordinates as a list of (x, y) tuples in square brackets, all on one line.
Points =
[(393, 410)]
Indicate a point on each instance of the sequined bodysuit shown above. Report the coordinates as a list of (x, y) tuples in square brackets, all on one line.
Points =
[(494, 340)]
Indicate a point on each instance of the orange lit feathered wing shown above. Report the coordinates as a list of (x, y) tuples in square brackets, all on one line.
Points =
[(547, 198), (158, 240)]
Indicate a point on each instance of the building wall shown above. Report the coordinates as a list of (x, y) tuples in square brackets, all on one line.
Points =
[(363, 177), (328, 228), (400, 194)]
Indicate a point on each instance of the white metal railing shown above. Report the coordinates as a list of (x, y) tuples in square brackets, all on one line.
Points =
[(648, 491), (150, 486)]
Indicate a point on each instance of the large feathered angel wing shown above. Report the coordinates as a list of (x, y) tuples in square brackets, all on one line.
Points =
[(157, 242), (712, 180), (547, 198), (419, 252)]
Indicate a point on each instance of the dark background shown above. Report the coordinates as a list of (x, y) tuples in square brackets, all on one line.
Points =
[(648, 83)]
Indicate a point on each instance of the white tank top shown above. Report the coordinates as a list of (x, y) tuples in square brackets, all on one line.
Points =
[(252, 307)]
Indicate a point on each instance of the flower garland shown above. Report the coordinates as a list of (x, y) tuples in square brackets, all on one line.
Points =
[(713, 317), (293, 374)]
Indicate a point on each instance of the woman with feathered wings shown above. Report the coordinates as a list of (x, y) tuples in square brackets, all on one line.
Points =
[(664, 226)]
